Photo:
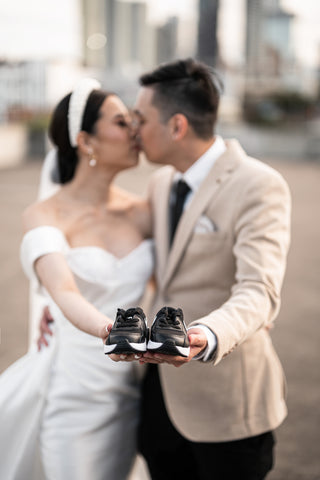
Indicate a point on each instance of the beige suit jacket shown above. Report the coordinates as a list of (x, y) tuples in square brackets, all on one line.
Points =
[(228, 279)]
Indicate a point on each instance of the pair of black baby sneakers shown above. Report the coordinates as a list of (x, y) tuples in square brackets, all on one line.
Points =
[(130, 334)]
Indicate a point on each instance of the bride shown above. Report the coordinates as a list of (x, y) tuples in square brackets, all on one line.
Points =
[(88, 247)]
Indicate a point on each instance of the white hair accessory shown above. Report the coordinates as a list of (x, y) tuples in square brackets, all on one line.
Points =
[(77, 105)]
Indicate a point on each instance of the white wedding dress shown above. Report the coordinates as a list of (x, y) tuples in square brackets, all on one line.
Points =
[(70, 402)]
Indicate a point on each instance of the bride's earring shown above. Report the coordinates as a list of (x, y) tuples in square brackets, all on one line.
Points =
[(92, 161)]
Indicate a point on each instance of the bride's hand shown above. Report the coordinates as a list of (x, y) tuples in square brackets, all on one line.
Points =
[(105, 331), (125, 357)]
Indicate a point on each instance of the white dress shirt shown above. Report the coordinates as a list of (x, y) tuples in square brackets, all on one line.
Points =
[(194, 176), (199, 170)]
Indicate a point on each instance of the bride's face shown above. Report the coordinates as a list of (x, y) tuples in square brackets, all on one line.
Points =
[(113, 142)]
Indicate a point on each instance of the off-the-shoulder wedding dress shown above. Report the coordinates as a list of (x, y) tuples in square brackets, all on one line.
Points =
[(70, 403)]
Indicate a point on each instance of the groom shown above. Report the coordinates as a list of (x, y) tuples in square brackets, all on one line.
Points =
[(224, 267)]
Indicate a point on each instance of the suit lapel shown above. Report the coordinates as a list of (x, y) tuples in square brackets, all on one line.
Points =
[(223, 167)]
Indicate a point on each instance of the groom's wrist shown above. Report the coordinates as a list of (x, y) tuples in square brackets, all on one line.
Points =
[(208, 352)]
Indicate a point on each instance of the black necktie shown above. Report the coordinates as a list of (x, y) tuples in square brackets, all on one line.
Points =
[(181, 191)]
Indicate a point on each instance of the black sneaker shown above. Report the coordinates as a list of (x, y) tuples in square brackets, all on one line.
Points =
[(129, 333), (168, 333)]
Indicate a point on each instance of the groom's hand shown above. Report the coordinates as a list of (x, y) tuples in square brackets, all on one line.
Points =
[(198, 342), (44, 328)]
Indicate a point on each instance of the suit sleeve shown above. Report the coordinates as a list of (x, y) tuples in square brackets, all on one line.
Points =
[(261, 242)]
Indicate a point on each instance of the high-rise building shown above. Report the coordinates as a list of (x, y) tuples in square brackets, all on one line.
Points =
[(167, 37), (208, 50), (117, 35), (268, 51), (134, 39), (97, 25), (254, 38)]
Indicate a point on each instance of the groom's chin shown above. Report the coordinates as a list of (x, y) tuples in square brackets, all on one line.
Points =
[(153, 159)]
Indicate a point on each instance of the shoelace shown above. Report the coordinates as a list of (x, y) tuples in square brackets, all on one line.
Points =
[(125, 319), (166, 320)]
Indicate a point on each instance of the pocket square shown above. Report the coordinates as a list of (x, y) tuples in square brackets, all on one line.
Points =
[(205, 225)]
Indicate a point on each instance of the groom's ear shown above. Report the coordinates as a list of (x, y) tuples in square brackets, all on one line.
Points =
[(178, 126)]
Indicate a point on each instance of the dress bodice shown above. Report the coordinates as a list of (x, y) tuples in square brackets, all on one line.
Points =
[(103, 279)]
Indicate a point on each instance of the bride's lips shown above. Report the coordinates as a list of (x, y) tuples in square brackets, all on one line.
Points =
[(136, 146)]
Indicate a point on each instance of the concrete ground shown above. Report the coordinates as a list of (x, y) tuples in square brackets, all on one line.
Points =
[(297, 331)]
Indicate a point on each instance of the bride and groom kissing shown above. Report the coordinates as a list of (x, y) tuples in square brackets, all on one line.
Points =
[(93, 248)]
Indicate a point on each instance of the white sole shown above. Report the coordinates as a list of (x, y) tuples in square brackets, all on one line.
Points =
[(139, 347), (184, 351)]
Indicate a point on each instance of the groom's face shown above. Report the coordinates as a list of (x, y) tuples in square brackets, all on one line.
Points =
[(153, 134)]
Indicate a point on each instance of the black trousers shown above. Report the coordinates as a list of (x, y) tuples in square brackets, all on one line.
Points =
[(171, 456)]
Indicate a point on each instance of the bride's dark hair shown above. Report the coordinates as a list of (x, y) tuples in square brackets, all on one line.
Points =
[(59, 133)]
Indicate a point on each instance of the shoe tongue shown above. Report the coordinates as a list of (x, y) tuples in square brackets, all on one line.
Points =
[(164, 311), (131, 311), (127, 318), (168, 318), (121, 312)]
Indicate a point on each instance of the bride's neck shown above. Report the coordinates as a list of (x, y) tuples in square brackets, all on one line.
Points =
[(92, 184)]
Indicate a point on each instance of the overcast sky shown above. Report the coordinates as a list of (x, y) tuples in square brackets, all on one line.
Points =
[(39, 28)]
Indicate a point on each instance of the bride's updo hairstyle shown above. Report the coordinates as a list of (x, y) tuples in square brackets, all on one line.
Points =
[(77, 111)]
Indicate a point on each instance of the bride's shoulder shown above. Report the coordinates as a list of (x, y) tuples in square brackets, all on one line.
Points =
[(38, 214)]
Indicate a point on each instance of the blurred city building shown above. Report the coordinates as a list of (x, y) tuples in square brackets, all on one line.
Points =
[(116, 35), (276, 89), (266, 83), (45, 48), (207, 47), (21, 87), (269, 55), (167, 40)]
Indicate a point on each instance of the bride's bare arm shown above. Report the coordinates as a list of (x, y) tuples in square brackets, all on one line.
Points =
[(55, 275)]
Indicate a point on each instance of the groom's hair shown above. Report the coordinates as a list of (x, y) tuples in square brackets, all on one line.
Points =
[(188, 87)]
